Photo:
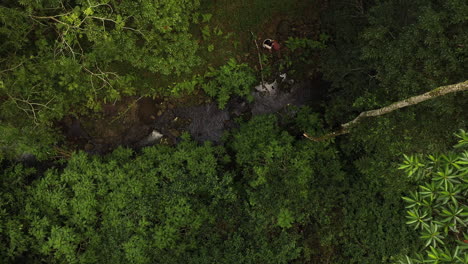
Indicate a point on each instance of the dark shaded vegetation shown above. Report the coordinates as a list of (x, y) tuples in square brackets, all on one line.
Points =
[(80, 78)]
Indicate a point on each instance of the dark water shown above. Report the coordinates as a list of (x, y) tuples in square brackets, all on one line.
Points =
[(300, 94), (208, 122), (205, 122)]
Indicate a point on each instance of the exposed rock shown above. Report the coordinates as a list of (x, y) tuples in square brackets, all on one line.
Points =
[(206, 122), (269, 88), (303, 93), (134, 134), (151, 139)]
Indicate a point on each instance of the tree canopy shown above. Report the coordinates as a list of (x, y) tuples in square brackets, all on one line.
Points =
[(75, 75), (61, 57)]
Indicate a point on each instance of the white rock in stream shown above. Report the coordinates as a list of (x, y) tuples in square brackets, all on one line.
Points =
[(150, 139), (271, 88), (283, 77), (267, 87)]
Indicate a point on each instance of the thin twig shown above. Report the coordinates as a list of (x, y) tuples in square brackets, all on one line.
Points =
[(12, 68), (259, 59)]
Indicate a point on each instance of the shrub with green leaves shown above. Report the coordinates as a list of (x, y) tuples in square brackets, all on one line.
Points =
[(305, 44), (288, 185), (67, 56), (230, 79), (439, 208), (303, 48), (185, 204), (151, 208)]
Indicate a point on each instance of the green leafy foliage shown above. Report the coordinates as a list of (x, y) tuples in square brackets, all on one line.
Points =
[(439, 208), (230, 79), (26, 140), (61, 58), (13, 181), (385, 51), (305, 46), (206, 18), (267, 195), (191, 203), (287, 182), (211, 47), (285, 219), (377, 54), (416, 46), (120, 209), (206, 32), (301, 55)]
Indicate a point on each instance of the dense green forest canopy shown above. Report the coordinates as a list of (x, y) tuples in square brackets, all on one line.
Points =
[(263, 193)]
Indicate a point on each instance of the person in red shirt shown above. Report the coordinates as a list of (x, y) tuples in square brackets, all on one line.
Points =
[(271, 45)]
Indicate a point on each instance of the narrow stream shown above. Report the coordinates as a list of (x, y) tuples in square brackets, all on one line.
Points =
[(208, 122), (147, 125)]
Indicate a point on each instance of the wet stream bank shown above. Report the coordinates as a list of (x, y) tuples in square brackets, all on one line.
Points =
[(150, 121)]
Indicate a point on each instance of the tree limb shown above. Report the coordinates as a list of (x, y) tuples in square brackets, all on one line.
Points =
[(259, 58), (440, 91)]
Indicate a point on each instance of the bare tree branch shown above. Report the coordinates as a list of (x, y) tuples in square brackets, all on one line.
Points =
[(259, 58), (32, 109), (440, 91), (10, 69)]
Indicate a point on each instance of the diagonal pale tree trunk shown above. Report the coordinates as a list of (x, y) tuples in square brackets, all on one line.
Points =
[(440, 91)]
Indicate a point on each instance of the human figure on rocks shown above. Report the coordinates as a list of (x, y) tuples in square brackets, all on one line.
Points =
[(271, 45)]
